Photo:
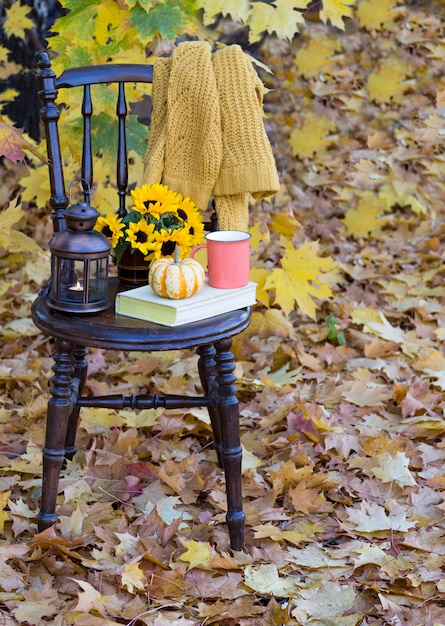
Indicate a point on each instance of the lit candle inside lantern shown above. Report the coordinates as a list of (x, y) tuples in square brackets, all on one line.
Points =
[(76, 292), (76, 287)]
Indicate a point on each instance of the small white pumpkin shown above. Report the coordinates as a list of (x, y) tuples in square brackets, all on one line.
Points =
[(172, 278)]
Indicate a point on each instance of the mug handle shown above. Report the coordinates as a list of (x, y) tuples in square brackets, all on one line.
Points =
[(195, 249)]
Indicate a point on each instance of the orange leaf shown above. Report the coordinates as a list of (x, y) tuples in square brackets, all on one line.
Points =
[(12, 143)]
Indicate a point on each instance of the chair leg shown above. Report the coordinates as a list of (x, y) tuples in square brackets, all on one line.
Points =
[(227, 408), (207, 373), (80, 372), (60, 406)]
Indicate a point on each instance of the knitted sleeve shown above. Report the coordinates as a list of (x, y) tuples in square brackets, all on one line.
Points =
[(154, 156), (248, 164), (232, 211), (186, 145)]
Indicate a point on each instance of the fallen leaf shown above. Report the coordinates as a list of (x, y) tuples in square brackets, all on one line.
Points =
[(394, 468), (372, 517), (198, 554)]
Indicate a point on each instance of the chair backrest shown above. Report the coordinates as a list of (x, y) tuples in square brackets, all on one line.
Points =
[(48, 85)]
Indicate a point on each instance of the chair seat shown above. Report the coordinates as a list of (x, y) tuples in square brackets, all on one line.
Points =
[(117, 332)]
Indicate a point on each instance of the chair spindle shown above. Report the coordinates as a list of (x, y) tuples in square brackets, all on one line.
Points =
[(122, 164), (47, 91), (87, 150)]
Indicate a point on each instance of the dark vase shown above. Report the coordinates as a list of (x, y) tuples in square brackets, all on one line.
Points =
[(132, 268)]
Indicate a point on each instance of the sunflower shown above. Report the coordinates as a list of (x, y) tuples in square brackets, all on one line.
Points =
[(111, 226), (191, 218), (167, 240), (155, 200), (186, 208), (160, 220), (140, 236), (195, 228)]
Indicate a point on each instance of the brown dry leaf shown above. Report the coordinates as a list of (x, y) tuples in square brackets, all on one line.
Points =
[(38, 604), (306, 500), (361, 393)]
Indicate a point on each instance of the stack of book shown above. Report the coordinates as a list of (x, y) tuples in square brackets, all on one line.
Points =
[(142, 303)]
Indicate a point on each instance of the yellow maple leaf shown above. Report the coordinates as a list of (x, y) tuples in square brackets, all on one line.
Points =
[(17, 20), (375, 14), (133, 577), (433, 360), (199, 553), (4, 515), (298, 280), (365, 218), (108, 14), (404, 193), (99, 420), (11, 215), (11, 238), (375, 555), (258, 235), (387, 84), (141, 419), (259, 275), (237, 9), (316, 55), (312, 137), (284, 223), (36, 185), (281, 18), (9, 94), (333, 11), (105, 198), (305, 533), (375, 322)]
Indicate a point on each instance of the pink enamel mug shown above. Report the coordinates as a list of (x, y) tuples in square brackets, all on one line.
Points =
[(228, 258)]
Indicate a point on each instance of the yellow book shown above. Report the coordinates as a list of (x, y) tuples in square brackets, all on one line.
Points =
[(142, 303)]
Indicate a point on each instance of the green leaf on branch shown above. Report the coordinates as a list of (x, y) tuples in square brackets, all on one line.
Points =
[(79, 21), (166, 20)]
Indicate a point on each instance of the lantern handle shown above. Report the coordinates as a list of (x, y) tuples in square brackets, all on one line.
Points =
[(87, 193)]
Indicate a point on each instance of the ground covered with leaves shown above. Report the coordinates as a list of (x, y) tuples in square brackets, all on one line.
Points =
[(342, 414)]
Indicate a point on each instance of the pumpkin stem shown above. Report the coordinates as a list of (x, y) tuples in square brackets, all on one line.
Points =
[(176, 256)]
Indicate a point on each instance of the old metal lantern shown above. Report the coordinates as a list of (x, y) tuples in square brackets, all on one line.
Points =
[(79, 263)]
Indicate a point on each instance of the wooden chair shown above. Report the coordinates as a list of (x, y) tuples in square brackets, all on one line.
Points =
[(73, 334)]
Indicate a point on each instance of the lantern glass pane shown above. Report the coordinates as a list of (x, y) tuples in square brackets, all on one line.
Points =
[(72, 283), (97, 279)]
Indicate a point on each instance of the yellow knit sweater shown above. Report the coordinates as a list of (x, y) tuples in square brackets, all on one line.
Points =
[(207, 134)]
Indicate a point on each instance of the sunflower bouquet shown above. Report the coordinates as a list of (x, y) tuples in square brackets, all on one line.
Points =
[(160, 220)]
